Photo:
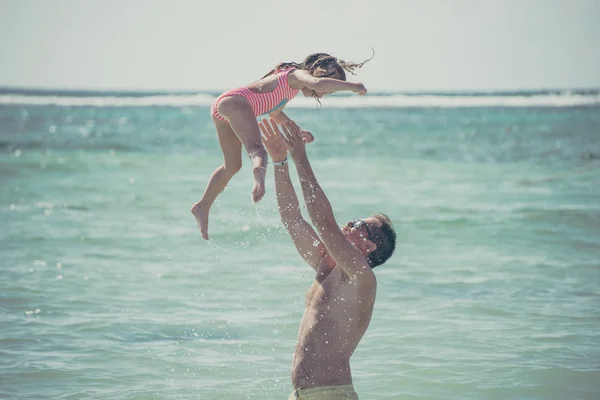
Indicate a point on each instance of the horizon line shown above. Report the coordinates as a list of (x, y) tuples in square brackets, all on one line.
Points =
[(50, 89)]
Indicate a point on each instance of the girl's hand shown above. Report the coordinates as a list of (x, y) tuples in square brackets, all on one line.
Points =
[(360, 89)]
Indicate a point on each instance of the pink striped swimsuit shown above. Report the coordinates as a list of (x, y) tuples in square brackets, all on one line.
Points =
[(261, 103)]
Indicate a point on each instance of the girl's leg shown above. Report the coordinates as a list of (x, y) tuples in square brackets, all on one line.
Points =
[(232, 150), (243, 122)]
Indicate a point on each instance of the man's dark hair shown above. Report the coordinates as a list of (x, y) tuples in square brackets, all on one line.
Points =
[(385, 238)]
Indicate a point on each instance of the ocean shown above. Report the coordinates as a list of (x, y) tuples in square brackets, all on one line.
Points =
[(108, 291)]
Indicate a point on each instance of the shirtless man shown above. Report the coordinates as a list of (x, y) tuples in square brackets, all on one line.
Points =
[(340, 301)]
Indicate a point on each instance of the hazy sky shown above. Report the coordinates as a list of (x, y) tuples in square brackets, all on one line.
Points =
[(219, 44)]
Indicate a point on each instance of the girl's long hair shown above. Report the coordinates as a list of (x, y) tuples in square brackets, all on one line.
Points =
[(323, 65)]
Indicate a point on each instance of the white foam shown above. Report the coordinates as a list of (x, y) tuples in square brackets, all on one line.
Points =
[(372, 101), (109, 101), (400, 101)]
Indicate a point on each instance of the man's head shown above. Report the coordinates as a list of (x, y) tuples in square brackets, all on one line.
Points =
[(374, 236)]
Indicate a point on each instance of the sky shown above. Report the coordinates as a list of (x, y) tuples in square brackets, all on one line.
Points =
[(420, 45)]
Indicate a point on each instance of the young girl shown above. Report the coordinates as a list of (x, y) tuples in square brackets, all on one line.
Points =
[(234, 114)]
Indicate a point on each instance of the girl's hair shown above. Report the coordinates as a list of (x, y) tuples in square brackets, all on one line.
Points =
[(323, 65)]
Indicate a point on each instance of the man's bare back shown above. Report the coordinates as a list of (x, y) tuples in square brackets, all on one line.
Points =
[(337, 314)]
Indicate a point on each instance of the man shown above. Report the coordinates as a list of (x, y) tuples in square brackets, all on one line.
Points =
[(339, 304)]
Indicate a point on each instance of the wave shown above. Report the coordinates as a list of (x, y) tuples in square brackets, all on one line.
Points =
[(566, 99), (107, 101)]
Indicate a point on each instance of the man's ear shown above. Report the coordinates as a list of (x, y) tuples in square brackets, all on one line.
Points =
[(368, 246)]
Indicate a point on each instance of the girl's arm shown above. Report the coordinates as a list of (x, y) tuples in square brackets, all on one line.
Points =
[(300, 78)]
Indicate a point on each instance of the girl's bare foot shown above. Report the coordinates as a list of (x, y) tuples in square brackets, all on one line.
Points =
[(200, 211), (258, 190)]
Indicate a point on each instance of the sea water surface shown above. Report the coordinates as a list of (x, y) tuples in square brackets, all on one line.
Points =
[(108, 291)]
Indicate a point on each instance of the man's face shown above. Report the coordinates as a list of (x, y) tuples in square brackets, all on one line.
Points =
[(359, 231)]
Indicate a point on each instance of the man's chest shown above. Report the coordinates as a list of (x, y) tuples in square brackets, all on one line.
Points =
[(332, 293)]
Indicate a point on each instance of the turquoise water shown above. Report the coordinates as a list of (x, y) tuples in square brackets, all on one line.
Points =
[(108, 291)]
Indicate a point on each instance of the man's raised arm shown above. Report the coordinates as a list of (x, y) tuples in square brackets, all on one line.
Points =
[(346, 255), (305, 239)]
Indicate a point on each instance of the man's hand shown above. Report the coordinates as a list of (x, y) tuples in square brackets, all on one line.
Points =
[(280, 118), (272, 140), (292, 138)]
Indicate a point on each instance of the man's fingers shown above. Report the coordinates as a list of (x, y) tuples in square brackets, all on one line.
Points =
[(295, 129), (274, 127), (263, 129), (286, 135), (292, 133), (294, 125), (266, 128), (291, 129), (285, 132)]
